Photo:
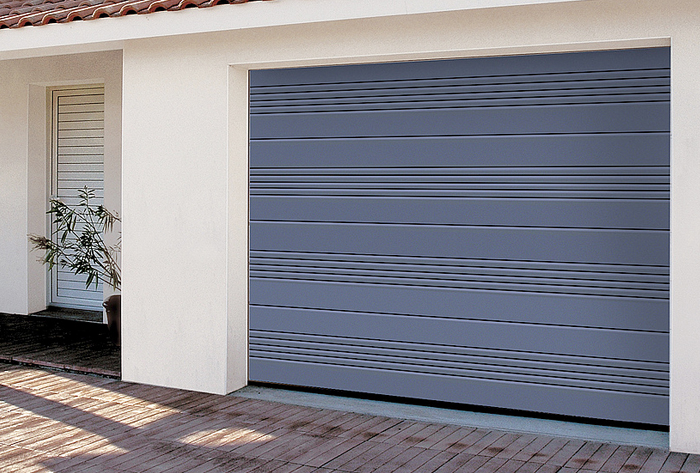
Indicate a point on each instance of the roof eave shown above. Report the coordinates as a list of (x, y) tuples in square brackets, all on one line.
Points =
[(110, 33)]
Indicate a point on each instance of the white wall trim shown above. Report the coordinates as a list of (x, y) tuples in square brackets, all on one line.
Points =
[(238, 245), (662, 41), (109, 33)]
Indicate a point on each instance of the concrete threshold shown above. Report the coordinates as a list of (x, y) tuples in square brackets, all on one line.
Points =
[(555, 428)]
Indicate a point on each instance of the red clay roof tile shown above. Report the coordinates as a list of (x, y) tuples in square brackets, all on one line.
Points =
[(19, 13)]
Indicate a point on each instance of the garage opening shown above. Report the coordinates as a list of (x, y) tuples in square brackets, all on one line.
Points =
[(487, 231)]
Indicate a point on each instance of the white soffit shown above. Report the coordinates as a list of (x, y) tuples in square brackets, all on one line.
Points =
[(108, 33)]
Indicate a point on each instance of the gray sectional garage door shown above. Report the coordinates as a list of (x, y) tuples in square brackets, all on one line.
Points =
[(488, 231)]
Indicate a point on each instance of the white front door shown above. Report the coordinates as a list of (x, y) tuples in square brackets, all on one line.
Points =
[(77, 160)]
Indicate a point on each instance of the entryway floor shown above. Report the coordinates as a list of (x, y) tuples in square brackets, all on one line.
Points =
[(63, 422), (65, 343)]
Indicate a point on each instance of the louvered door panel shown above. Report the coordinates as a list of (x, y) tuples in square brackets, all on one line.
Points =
[(484, 231), (78, 161)]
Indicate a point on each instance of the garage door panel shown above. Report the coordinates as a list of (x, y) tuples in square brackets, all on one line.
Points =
[(496, 335), (457, 100), (458, 369), (651, 59), (596, 118), (613, 405), (469, 279), (593, 178), (444, 210), (497, 305), (386, 93), (647, 149), (472, 282), (626, 85), (276, 344), (533, 244)]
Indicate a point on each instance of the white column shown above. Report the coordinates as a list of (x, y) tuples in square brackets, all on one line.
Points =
[(685, 241), (175, 225)]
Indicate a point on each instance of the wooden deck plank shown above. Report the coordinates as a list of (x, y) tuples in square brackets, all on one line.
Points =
[(500, 445), (375, 449), (400, 432), (349, 455), (403, 461), (327, 452), (583, 455), (674, 462), (438, 436), (453, 439), (459, 462), (655, 461), (635, 462), (691, 465), (617, 459), (568, 450), (383, 459)]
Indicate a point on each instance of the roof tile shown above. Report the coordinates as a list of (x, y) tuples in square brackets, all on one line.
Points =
[(20, 13)]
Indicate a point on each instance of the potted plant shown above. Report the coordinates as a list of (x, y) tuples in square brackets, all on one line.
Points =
[(77, 243)]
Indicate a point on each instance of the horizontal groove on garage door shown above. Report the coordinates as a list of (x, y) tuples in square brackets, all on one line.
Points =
[(646, 183), (594, 373), (645, 85), (490, 231), (522, 276)]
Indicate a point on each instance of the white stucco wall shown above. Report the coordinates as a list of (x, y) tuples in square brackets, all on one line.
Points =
[(24, 165)]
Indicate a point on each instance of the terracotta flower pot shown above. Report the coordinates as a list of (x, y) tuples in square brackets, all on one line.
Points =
[(113, 307)]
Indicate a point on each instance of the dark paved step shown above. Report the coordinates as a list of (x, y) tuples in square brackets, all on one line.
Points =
[(77, 315), (59, 343)]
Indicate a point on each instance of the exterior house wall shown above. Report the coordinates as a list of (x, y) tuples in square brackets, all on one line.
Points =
[(185, 163), (190, 132), (24, 174)]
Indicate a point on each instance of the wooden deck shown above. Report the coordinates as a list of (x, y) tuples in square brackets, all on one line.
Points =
[(65, 422), (52, 421)]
